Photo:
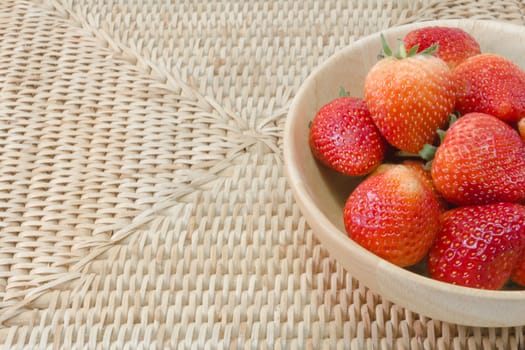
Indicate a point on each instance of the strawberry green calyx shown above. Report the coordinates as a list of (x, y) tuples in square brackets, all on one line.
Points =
[(386, 48), (343, 92), (416, 92), (402, 51), (428, 151), (481, 161), (452, 119), (441, 133)]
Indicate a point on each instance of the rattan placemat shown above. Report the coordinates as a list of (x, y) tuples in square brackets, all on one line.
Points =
[(143, 200)]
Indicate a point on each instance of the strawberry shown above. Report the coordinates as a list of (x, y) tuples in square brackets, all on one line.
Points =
[(344, 137), (422, 173), (521, 128), (479, 245), (409, 96), (454, 44), (518, 273), (393, 215), (491, 84), (481, 161)]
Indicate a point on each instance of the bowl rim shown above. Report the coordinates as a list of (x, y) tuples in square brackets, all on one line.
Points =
[(334, 236)]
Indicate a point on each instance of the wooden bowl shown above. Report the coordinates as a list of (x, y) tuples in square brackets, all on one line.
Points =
[(321, 193)]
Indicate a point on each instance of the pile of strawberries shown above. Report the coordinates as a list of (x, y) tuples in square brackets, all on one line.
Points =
[(440, 136)]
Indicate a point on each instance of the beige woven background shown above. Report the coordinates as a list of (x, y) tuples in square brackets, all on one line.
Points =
[(143, 202)]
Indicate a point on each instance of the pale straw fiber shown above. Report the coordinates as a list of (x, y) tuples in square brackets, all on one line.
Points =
[(143, 201)]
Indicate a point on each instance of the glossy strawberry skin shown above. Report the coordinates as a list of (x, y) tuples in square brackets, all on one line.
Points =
[(518, 273), (418, 168), (491, 84), (454, 44), (393, 215), (409, 99), (478, 246), (344, 137), (481, 161), (423, 174)]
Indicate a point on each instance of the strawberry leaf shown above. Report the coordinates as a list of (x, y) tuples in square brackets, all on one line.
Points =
[(441, 133), (343, 92), (428, 165), (413, 50), (452, 119), (427, 152), (431, 50), (386, 48), (402, 51)]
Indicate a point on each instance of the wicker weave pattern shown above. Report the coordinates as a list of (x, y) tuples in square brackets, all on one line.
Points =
[(144, 203), (84, 152)]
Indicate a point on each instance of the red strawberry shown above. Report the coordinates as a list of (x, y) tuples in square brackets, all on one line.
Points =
[(481, 161), (393, 215), (409, 97), (491, 84), (454, 44), (478, 246), (518, 274), (521, 128), (424, 176), (419, 170), (345, 138)]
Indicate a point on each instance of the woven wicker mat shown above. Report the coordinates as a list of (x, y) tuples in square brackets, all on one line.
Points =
[(143, 201)]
